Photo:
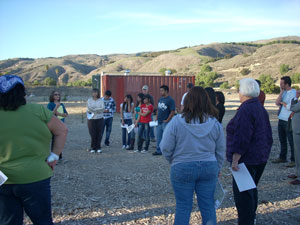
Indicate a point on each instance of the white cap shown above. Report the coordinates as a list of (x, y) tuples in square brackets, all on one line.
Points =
[(145, 87)]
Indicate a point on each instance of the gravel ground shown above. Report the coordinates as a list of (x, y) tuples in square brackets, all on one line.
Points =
[(122, 187)]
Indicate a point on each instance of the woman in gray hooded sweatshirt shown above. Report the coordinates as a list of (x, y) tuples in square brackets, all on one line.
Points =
[(194, 145)]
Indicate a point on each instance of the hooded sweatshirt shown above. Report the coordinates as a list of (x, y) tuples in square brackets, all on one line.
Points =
[(189, 142)]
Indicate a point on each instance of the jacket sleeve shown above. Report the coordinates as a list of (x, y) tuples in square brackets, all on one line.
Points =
[(220, 146), (295, 107), (167, 144)]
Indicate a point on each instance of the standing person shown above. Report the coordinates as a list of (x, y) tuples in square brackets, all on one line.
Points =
[(24, 154), (295, 107), (189, 87), (126, 118), (143, 121), (165, 112), (59, 110), (284, 133), (262, 95), (145, 91), (137, 109), (108, 114), (212, 95), (220, 101), (95, 106), (249, 141), (194, 144)]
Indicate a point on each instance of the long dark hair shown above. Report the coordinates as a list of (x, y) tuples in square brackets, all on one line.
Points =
[(51, 97), (125, 105), (13, 99), (220, 96), (141, 95), (212, 95), (197, 105)]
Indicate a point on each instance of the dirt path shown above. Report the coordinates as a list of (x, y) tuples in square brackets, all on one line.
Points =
[(121, 187)]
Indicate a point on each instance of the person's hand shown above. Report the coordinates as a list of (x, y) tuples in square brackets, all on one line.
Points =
[(52, 164), (234, 166), (283, 103), (165, 121), (123, 122), (298, 94), (106, 110)]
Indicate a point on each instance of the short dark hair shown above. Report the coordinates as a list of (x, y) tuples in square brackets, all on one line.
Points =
[(220, 96), (211, 93), (147, 96), (51, 97), (165, 87), (259, 83), (287, 80), (98, 92), (108, 93), (13, 99), (189, 85)]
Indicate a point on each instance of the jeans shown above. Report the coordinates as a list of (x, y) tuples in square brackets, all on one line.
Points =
[(96, 130), (284, 133), (159, 133), (199, 177), (144, 128), (246, 201), (108, 124), (152, 129), (33, 198), (125, 133)]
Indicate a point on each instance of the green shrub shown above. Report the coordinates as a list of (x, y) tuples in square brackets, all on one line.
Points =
[(206, 68), (227, 56), (36, 83), (283, 69), (49, 82), (268, 84), (296, 87), (296, 78), (237, 84), (206, 79), (245, 71), (224, 85)]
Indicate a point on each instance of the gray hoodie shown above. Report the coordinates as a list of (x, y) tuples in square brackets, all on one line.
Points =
[(188, 142)]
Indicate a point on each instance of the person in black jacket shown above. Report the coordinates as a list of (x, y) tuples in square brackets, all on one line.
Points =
[(220, 101)]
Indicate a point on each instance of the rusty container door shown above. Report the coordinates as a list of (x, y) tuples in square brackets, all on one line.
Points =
[(123, 85)]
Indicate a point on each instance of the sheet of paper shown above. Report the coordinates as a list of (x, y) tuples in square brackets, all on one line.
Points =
[(124, 126), (219, 195), (243, 178), (153, 123), (130, 128), (3, 178), (89, 115)]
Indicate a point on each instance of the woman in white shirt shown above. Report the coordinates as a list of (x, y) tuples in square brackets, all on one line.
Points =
[(95, 108)]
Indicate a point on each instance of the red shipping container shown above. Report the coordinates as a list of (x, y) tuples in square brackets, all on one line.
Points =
[(123, 85)]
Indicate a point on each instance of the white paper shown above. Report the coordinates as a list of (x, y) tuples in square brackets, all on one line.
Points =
[(153, 123), (219, 195), (130, 128), (89, 115), (124, 126), (243, 178), (3, 178)]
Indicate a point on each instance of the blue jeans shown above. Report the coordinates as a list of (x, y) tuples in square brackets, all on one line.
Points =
[(199, 177), (159, 133), (152, 129), (143, 132), (108, 124), (125, 133), (33, 198), (285, 134)]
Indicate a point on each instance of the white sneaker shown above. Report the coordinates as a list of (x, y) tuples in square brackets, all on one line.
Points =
[(143, 151), (127, 146), (124, 146), (92, 151), (99, 151), (136, 150)]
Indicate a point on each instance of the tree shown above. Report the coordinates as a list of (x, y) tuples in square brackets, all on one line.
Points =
[(206, 68), (36, 83), (224, 85), (56, 71), (206, 79), (49, 82), (268, 84), (47, 67), (296, 78), (284, 69)]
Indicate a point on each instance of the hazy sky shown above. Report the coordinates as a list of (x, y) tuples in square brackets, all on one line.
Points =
[(44, 28)]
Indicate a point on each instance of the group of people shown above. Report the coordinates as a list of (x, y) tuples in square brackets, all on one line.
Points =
[(192, 141)]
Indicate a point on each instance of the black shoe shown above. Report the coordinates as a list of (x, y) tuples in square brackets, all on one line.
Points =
[(156, 153)]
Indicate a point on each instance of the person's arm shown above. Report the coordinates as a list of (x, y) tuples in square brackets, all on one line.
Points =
[(235, 161), (60, 131), (295, 106), (137, 120), (291, 96), (170, 117), (65, 114), (279, 98), (122, 116), (168, 142), (220, 146)]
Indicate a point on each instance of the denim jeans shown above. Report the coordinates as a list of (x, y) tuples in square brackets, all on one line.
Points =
[(285, 134), (125, 133), (199, 177), (246, 201), (143, 132), (107, 125), (159, 133), (152, 129), (33, 198)]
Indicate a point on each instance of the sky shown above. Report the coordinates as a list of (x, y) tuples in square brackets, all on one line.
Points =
[(54, 28)]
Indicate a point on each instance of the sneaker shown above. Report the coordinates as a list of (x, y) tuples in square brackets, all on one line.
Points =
[(279, 160), (127, 146), (291, 164), (107, 145), (136, 150), (144, 151), (157, 153), (92, 151), (99, 151), (295, 182), (292, 176), (124, 146)]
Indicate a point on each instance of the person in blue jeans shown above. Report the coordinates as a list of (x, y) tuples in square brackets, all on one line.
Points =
[(126, 118), (108, 114), (194, 144), (165, 112)]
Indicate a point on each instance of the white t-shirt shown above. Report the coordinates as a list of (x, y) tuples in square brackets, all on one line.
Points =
[(285, 111), (127, 115), (182, 100)]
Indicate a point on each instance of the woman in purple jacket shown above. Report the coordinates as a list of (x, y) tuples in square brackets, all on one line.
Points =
[(249, 141)]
